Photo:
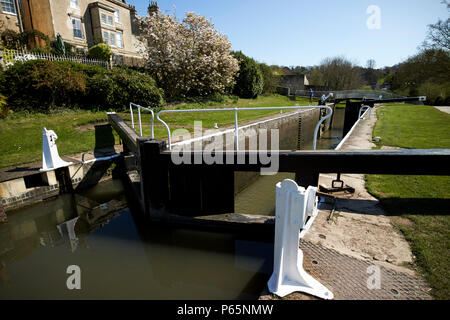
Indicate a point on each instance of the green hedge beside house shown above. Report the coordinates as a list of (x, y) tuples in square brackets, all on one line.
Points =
[(41, 85)]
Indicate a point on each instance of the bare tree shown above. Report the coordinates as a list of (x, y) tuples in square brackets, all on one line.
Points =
[(338, 73), (438, 35), (371, 64)]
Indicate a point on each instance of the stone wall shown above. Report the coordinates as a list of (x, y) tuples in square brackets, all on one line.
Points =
[(293, 82), (15, 193)]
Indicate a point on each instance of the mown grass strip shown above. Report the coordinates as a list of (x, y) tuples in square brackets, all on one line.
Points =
[(423, 200)]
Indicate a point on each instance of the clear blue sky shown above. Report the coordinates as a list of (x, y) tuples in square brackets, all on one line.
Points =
[(300, 32)]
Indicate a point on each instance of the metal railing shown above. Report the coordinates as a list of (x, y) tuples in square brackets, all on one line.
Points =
[(236, 126), (9, 57), (140, 120), (351, 94), (363, 110), (367, 111)]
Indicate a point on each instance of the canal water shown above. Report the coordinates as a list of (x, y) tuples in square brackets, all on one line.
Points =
[(119, 257)]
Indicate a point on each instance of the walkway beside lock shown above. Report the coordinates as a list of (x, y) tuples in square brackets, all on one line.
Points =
[(339, 249)]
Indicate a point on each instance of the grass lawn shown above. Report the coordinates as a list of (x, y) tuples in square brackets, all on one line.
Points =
[(22, 134), (420, 204)]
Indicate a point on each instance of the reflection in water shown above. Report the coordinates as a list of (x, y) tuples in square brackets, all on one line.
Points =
[(122, 257), (68, 229)]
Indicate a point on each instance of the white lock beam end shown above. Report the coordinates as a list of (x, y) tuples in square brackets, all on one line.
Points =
[(295, 211), (50, 157)]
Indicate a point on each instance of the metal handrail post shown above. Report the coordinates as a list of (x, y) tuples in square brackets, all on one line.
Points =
[(132, 117), (361, 113), (140, 122), (236, 129)]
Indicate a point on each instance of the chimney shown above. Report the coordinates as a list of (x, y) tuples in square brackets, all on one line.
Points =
[(153, 8)]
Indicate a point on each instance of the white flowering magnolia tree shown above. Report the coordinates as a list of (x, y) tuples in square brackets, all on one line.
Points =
[(190, 58)]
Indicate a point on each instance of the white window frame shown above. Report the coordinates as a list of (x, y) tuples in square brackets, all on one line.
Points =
[(112, 39), (9, 2), (106, 37), (74, 4), (107, 19), (109, 37), (117, 15), (81, 28), (119, 38)]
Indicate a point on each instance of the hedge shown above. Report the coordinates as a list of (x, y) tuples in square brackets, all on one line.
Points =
[(41, 85)]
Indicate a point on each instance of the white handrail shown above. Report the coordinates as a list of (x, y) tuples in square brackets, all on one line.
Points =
[(351, 130), (139, 117), (361, 113), (236, 126)]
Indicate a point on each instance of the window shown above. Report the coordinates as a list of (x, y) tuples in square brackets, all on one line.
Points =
[(119, 39), (8, 6), (106, 37), (74, 4), (117, 16), (108, 20), (77, 30), (112, 40), (109, 38)]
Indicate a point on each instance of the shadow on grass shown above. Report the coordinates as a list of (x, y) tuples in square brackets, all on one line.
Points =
[(394, 206), (416, 206)]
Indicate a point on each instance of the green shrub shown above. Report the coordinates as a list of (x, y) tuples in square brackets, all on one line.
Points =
[(270, 79), (249, 80), (3, 107), (436, 93), (41, 86), (69, 49), (100, 90), (100, 51), (86, 69), (133, 86), (33, 39)]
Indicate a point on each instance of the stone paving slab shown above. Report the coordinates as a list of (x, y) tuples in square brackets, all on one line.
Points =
[(444, 109)]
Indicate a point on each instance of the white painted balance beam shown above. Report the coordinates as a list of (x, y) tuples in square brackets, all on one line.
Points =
[(50, 156), (296, 209)]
